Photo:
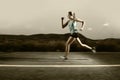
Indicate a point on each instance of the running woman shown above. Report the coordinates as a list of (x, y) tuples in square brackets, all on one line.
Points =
[(72, 21)]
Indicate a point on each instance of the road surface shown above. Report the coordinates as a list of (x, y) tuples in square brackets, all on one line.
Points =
[(49, 66)]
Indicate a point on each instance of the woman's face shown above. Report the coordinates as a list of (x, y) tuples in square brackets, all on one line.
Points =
[(70, 16), (74, 15)]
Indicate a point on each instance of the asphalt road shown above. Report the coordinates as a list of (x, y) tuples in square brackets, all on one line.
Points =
[(83, 59)]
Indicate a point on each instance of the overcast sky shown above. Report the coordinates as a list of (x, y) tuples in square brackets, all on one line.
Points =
[(43, 16)]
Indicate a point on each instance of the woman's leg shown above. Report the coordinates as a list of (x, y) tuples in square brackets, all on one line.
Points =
[(84, 45), (68, 43)]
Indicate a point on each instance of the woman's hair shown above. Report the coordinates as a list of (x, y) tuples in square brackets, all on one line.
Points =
[(70, 13)]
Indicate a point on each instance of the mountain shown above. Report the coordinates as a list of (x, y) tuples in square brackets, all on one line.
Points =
[(53, 42)]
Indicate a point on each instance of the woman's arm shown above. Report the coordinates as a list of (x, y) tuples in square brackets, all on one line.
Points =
[(77, 20), (64, 24), (82, 25)]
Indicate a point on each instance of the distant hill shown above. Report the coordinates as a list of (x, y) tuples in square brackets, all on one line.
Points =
[(53, 42), (110, 44)]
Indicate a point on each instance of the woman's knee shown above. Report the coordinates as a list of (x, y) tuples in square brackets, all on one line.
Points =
[(67, 44), (83, 45)]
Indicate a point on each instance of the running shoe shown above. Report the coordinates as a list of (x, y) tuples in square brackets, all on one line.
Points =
[(63, 57), (93, 49)]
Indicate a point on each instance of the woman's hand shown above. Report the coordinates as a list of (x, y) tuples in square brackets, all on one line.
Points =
[(62, 18), (81, 29)]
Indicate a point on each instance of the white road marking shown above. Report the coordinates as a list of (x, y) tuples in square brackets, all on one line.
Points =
[(117, 65)]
